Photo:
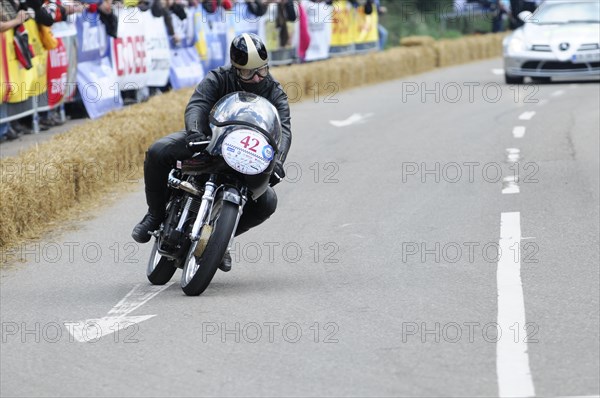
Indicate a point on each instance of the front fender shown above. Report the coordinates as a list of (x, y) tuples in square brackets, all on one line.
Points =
[(231, 194)]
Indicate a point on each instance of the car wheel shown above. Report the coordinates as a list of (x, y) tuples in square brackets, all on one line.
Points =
[(541, 79), (513, 79)]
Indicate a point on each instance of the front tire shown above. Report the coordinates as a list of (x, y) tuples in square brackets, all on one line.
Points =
[(198, 272), (160, 269), (541, 79), (513, 79)]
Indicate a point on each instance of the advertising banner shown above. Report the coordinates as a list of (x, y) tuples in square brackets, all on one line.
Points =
[(320, 21), (128, 53), (96, 80)]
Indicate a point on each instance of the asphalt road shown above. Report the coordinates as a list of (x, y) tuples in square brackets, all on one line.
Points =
[(405, 259)]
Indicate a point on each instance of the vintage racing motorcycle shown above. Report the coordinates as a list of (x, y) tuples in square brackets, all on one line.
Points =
[(209, 191)]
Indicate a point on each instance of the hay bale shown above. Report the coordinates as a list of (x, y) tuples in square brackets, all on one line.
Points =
[(415, 41), (43, 181)]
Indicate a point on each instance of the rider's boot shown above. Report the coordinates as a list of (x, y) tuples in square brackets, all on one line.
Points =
[(152, 220)]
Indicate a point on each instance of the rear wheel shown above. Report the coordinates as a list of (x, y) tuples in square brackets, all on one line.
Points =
[(160, 269), (513, 79), (199, 271)]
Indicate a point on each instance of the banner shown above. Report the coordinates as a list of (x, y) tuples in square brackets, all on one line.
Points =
[(98, 87), (58, 62), (320, 20), (128, 50), (342, 35), (96, 80), (366, 34), (158, 52), (21, 84), (211, 37), (278, 36), (241, 20), (186, 68), (184, 29), (187, 64), (68, 33), (92, 41)]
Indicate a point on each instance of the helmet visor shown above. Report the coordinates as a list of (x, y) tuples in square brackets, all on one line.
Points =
[(248, 74)]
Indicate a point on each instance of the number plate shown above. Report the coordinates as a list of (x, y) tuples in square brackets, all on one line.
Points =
[(591, 56), (247, 151)]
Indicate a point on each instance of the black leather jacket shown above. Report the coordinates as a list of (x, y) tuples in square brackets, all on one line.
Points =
[(222, 81)]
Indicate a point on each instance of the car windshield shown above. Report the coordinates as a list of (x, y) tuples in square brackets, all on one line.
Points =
[(550, 12)]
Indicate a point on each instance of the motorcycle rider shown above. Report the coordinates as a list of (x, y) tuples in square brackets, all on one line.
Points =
[(249, 71)]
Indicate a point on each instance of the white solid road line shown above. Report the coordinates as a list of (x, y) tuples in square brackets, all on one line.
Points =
[(519, 131), (527, 115), (512, 359)]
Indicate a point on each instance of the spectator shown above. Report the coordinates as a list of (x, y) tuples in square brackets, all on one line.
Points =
[(257, 7), (383, 33), (11, 16), (211, 6), (499, 11), (107, 16)]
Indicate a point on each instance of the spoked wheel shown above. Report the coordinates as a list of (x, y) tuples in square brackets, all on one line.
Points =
[(201, 265), (160, 269)]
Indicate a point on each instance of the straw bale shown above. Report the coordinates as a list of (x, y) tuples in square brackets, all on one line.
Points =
[(412, 41)]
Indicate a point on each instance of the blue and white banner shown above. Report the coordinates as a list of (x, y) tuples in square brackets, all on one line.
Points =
[(186, 68), (95, 76), (211, 37), (158, 52), (98, 88)]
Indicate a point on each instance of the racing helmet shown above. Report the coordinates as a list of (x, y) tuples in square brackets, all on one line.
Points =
[(249, 56)]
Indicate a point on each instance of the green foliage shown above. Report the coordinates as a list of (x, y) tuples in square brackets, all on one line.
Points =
[(433, 18)]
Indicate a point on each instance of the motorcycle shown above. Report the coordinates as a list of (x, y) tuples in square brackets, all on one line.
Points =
[(207, 193)]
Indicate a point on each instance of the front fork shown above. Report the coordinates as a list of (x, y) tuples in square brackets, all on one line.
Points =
[(205, 209), (229, 195)]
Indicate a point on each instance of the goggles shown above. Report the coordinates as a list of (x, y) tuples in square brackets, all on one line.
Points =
[(248, 74)]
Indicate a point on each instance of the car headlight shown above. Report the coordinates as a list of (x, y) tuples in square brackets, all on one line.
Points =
[(516, 45)]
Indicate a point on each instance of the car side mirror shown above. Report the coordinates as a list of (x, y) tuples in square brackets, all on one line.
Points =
[(525, 16)]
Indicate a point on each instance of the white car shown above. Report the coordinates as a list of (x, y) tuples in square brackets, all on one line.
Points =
[(561, 39)]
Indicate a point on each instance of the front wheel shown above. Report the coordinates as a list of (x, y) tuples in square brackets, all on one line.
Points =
[(541, 79), (160, 269), (198, 272), (513, 79)]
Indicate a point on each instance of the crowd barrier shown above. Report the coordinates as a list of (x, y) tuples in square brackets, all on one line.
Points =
[(91, 67)]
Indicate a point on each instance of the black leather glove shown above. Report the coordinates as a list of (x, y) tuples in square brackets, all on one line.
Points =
[(195, 136), (278, 174)]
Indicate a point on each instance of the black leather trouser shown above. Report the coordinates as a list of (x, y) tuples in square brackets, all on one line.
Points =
[(162, 156)]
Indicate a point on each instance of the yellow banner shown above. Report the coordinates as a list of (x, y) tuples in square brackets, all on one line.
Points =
[(23, 83), (366, 26), (343, 19), (201, 45)]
